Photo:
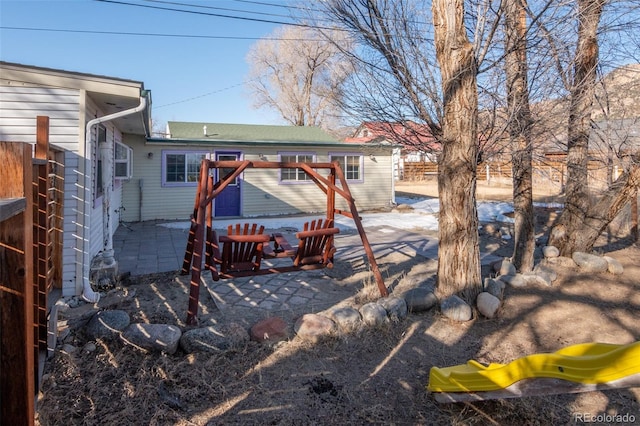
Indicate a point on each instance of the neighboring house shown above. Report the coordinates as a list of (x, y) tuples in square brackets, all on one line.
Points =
[(413, 142), (167, 169), (90, 117)]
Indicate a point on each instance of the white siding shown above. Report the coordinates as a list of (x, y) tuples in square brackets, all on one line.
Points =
[(19, 107), (72, 231), (262, 193), (97, 217)]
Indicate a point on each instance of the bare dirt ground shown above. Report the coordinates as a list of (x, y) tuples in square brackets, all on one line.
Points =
[(368, 376)]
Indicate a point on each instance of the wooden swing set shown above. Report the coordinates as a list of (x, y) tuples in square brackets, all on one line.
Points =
[(244, 246)]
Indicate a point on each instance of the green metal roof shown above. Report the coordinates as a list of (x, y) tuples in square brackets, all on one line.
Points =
[(247, 132)]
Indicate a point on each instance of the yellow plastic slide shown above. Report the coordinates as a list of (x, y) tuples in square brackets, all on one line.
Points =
[(586, 363)]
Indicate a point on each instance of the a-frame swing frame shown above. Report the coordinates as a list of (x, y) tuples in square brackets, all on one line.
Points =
[(202, 218)]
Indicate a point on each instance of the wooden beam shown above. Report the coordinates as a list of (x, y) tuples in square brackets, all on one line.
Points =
[(382, 288), (10, 207)]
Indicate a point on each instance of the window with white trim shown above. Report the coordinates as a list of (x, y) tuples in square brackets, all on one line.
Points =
[(122, 161), (181, 167), (351, 165), (295, 174)]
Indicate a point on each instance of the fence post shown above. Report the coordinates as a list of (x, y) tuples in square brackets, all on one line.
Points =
[(17, 369)]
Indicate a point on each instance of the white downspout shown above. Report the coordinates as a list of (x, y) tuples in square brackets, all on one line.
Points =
[(87, 292)]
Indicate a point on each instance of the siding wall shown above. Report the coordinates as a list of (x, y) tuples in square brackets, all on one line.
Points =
[(20, 104), (19, 107), (97, 217), (262, 193)]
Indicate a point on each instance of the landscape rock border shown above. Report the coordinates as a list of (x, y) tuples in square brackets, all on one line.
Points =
[(113, 324)]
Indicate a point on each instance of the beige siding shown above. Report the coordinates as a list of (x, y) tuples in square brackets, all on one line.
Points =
[(143, 197), (262, 191)]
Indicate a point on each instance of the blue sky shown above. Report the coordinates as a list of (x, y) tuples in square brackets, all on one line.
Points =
[(191, 79)]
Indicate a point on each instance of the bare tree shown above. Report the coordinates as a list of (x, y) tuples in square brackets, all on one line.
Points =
[(519, 124), (458, 249), (583, 220), (298, 73), (398, 80)]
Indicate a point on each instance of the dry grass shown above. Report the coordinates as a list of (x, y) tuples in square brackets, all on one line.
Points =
[(363, 376), (366, 376)]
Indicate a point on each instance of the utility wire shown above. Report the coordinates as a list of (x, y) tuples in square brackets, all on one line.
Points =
[(218, 15), (217, 8), (200, 96), (66, 30)]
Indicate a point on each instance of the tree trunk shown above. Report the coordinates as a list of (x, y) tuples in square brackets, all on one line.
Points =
[(519, 133), (458, 249), (583, 236), (582, 94)]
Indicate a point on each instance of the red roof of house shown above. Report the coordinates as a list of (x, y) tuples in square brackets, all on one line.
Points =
[(408, 134)]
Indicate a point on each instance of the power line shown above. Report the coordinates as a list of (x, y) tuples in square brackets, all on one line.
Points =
[(263, 3), (218, 15), (200, 96), (216, 8), (67, 30)]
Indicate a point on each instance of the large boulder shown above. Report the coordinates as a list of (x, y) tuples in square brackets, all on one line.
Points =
[(396, 307), (590, 262), (373, 314), (613, 266), (420, 299), (504, 267), (494, 287), (487, 304), (314, 327), (550, 251), (107, 324), (270, 330), (213, 339), (453, 307), (546, 271), (346, 318), (153, 337)]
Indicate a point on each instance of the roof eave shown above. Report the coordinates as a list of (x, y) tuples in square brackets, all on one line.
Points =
[(208, 141)]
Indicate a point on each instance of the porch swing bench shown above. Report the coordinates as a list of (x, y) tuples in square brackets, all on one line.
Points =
[(245, 246), (241, 252)]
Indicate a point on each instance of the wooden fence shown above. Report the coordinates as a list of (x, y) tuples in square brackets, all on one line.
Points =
[(544, 172), (30, 265)]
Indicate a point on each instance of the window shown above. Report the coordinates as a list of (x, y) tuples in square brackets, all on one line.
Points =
[(181, 167), (351, 165), (101, 137), (295, 174), (123, 158)]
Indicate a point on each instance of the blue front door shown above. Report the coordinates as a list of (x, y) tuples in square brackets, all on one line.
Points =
[(228, 202)]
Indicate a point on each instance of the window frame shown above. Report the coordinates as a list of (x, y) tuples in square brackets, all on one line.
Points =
[(296, 181), (360, 156), (128, 161), (101, 130), (170, 184)]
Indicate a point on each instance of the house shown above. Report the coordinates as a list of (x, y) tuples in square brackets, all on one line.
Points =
[(166, 171), (413, 142), (90, 117)]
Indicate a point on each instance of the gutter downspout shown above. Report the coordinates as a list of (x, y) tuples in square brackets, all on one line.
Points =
[(87, 292)]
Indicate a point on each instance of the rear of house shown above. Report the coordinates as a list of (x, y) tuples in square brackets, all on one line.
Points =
[(167, 169), (73, 101)]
